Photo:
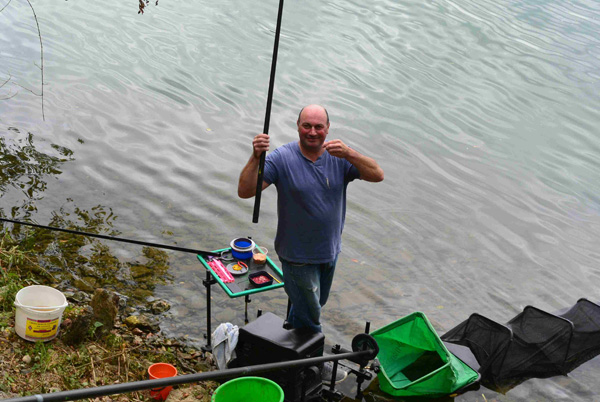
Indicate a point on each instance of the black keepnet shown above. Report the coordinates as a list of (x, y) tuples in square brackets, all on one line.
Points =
[(534, 344)]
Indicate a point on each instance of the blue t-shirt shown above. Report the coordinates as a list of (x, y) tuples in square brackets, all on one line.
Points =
[(311, 203)]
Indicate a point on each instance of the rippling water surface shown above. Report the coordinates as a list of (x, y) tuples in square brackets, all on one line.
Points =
[(483, 116)]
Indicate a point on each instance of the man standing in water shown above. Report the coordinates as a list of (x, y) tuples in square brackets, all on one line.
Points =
[(311, 177)]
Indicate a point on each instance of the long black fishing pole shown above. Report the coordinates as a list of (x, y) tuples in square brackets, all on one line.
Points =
[(113, 389), (261, 165), (99, 236)]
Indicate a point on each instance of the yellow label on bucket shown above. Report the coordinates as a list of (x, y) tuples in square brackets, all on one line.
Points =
[(41, 329)]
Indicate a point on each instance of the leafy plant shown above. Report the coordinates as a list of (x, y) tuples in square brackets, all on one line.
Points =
[(95, 327), (143, 4)]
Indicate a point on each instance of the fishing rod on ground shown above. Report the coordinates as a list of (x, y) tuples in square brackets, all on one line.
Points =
[(119, 239), (364, 347), (261, 165)]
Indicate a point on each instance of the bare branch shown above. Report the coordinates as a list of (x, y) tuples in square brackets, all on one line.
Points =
[(41, 56), (5, 5), (27, 89), (9, 96), (5, 82)]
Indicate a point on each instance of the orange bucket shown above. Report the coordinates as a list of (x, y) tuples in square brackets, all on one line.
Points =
[(161, 370)]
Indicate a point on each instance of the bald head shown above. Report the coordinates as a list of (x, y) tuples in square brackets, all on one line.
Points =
[(313, 126), (311, 109)]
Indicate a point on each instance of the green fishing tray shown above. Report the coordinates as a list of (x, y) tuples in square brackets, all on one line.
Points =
[(242, 285)]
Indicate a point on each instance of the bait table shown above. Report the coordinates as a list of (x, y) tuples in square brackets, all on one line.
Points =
[(240, 287)]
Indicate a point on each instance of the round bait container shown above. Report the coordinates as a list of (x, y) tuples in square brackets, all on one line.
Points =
[(242, 248)]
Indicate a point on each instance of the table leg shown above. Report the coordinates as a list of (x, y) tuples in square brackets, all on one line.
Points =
[(247, 300), (208, 282)]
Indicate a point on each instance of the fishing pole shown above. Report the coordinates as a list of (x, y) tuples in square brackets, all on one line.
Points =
[(261, 165), (99, 236), (226, 374)]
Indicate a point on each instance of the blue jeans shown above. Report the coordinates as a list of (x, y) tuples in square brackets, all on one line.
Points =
[(307, 286)]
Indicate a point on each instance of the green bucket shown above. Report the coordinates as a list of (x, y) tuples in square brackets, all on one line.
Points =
[(249, 389)]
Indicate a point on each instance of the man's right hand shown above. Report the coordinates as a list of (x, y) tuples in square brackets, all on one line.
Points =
[(260, 144), (249, 175)]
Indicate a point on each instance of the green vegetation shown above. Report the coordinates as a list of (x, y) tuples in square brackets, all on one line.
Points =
[(11, 281), (123, 355)]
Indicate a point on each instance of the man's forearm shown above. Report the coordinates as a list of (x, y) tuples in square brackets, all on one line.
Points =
[(248, 178), (367, 167)]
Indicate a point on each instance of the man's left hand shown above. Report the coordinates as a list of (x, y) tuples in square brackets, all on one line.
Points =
[(337, 148)]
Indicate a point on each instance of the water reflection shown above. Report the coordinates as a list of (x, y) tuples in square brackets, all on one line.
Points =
[(70, 260), (25, 168)]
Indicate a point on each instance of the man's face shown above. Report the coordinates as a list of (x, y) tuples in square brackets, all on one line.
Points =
[(313, 128)]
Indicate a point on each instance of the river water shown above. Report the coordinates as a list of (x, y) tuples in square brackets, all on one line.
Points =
[(482, 115)]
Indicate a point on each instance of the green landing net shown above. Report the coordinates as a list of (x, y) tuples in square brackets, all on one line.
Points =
[(415, 362)]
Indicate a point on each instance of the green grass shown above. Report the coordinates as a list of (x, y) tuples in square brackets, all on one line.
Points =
[(28, 368)]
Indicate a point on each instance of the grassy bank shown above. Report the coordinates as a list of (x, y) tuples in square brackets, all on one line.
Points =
[(99, 356)]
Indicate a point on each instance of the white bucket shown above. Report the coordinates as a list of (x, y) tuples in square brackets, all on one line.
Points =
[(39, 312)]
